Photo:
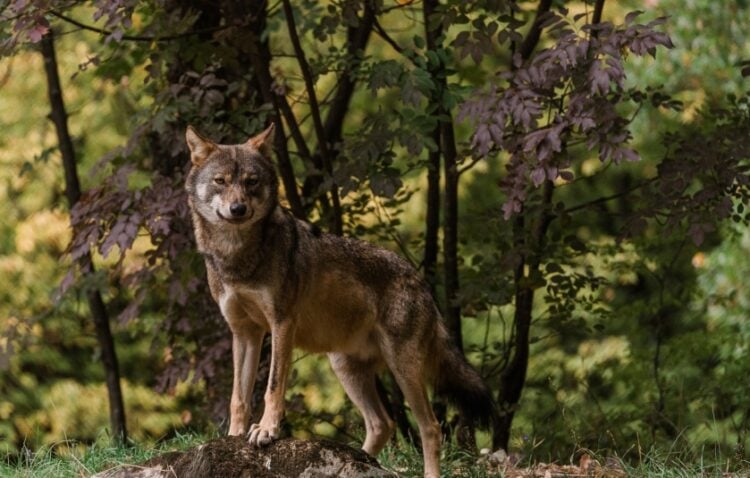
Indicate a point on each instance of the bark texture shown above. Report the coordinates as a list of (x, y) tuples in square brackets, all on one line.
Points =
[(59, 117)]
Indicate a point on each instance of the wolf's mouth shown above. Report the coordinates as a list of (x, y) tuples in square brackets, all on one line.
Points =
[(235, 220)]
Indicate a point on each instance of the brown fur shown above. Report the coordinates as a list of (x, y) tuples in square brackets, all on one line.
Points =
[(362, 305)]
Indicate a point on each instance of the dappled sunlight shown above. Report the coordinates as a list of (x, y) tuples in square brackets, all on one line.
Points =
[(574, 190)]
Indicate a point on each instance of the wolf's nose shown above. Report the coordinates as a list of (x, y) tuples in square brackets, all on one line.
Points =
[(237, 209)]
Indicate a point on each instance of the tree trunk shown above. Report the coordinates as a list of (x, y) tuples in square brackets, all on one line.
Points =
[(432, 216), (357, 38), (444, 137), (261, 60), (530, 245), (336, 215), (97, 307), (450, 233), (513, 377), (444, 131)]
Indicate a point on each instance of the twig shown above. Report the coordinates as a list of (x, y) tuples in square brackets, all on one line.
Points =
[(379, 208), (604, 199), (473, 163), (143, 38), (387, 38), (398, 6), (6, 76)]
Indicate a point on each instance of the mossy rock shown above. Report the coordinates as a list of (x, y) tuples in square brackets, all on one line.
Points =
[(233, 456)]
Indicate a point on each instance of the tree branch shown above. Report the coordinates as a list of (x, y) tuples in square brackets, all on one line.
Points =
[(389, 40), (356, 44), (141, 38), (604, 199), (337, 225), (261, 59), (598, 10), (532, 37)]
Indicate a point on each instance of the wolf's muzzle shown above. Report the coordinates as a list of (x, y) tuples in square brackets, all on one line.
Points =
[(237, 209)]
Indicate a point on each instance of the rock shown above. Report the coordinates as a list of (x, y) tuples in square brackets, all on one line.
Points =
[(233, 457)]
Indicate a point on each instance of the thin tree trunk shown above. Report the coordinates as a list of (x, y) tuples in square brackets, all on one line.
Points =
[(532, 38), (357, 38), (513, 378), (444, 137), (356, 43), (432, 216), (261, 60), (529, 247), (450, 232), (97, 307), (598, 10), (450, 169), (336, 218)]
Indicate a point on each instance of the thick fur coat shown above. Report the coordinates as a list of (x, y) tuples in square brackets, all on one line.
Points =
[(364, 306)]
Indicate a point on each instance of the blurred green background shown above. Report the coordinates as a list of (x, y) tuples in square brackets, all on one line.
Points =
[(592, 380)]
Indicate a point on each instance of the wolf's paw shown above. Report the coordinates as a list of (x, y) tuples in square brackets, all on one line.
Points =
[(237, 430), (261, 435)]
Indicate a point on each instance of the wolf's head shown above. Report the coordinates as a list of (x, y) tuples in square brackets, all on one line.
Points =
[(232, 184)]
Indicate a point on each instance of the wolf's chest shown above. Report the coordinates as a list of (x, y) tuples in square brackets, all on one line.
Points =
[(244, 306)]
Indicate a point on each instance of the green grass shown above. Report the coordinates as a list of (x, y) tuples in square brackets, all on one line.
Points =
[(454, 462), (69, 459), (52, 463), (685, 464), (74, 460)]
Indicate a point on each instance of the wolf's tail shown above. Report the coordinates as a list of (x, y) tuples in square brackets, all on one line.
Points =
[(461, 385)]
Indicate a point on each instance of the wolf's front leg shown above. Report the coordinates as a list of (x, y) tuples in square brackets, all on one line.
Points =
[(267, 429), (245, 356)]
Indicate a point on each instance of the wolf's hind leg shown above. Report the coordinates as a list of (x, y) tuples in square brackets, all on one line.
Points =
[(358, 379), (409, 374)]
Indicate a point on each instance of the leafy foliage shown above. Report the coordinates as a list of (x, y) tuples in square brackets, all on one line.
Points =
[(567, 202), (568, 92)]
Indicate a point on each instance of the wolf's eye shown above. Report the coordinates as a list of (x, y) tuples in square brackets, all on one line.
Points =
[(249, 182), (220, 181)]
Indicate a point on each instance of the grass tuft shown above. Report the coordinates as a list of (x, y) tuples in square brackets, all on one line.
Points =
[(71, 459)]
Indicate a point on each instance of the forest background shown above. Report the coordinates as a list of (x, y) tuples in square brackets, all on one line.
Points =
[(570, 177)]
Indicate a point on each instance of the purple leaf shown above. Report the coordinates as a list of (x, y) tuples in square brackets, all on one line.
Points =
[(538, 176), (630, 154), (630, 17), (37, 32)]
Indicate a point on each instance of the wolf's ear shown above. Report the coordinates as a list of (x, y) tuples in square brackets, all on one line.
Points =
[(263, 142), (200, 147)]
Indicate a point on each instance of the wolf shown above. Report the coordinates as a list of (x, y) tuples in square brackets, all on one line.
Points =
[(364, 306)]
